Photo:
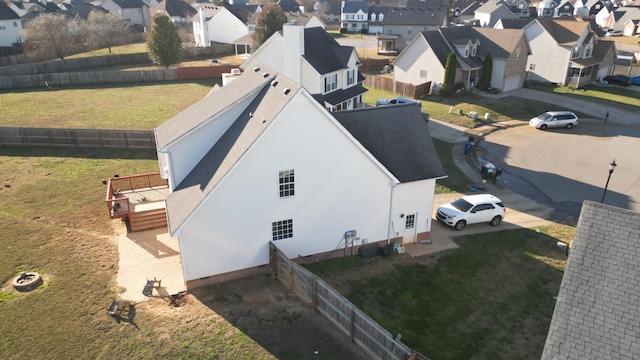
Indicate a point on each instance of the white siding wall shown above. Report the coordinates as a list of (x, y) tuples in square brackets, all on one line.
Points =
[(411, 198), (225, 28), (550, 60), (408, 67), (338, 188), (12, 32), (497, 74)]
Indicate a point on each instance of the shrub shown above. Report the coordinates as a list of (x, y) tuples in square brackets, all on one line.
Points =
[(343, 30)]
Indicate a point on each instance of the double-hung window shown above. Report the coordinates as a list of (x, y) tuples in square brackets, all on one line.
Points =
[(286, 182), (282, 229), (351, 77), (330, 83)]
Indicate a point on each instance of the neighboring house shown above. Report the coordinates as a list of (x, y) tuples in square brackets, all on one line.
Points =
[(354, 15), (327, 11), (305, 19), (23, 8), (566, 8), (82, 10), (134, 11), (547, 8), (425, 58), (597, 310), (490, 12), (397, 26), (618, 18), (631, 28), (314, 59), (467, 15), (178, 11), (218, 24), (567, 52), (519, 7), (260, 161), (10, 26), (594, 6)]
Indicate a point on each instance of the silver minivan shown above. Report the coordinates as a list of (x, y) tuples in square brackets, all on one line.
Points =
[(554, 119)]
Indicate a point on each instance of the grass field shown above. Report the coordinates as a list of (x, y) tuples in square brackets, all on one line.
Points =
[(492, 298), (54, 220)]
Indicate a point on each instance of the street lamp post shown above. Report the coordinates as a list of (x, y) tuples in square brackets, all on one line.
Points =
[(612, 167)]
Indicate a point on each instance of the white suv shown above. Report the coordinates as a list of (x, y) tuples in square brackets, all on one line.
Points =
[(472, 209)]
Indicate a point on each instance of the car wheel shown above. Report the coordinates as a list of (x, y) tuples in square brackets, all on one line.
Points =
[(569, 125), (543, 127), (460, 225), (496, 221)]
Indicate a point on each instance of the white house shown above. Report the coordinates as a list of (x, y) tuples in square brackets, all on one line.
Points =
[(424, 60), (218, 24), (135, 11), (354, 15), (312, 58), (567, 52), (10, 26), (491, 11), (260, 160)]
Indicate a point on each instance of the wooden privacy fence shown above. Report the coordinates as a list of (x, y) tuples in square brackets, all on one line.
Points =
[(122, 139), (386, 83), (350, 320)]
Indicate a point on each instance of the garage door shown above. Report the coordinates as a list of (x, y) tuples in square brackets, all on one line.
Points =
[(512, 82)]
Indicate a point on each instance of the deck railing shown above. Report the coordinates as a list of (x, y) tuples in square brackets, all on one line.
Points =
[(117, 201)]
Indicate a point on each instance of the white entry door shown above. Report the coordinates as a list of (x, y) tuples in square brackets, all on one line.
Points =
[(410, 223)]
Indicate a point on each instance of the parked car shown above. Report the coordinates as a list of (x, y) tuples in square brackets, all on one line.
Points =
[(621, 80), (472, 209), (394, 101), (551, 119), (635, 80), (612, 32)]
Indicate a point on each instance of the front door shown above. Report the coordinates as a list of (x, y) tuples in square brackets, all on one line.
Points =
[(410, 223)]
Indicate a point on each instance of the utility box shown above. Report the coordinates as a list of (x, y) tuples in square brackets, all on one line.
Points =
[(473, 115)]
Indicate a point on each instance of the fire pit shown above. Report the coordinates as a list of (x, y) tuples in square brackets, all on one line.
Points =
[(27, 281)]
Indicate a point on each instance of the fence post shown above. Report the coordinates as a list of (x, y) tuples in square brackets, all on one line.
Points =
[(314, 292), (352, 324)]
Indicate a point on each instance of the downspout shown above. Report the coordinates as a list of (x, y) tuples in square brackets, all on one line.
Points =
[(393, 186)]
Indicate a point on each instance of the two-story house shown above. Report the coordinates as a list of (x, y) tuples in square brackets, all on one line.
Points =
[(547, 8), (10, 27), (260, 160), (424, 60), (354, 16), (135, 11), (566, 8), (180, 13), (490, 12), (397, 26), (312, 58), (567, 52), (218, 24)]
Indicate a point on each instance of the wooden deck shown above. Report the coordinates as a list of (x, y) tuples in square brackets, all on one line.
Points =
[(138, 199)]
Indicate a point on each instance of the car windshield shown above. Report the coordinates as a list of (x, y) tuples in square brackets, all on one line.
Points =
[(462, 205), (544, 117)]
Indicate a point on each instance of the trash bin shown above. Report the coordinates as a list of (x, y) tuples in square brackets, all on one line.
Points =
[(497, 173), (488, 170), (468, 148)]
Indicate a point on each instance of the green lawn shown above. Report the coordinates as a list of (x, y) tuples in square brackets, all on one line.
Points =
[(606, 95), (492, 298)]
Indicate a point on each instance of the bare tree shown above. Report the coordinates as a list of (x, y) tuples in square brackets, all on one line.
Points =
[(104, 30), (52, 36)]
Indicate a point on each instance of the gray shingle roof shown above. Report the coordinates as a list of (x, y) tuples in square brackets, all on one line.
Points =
[(6, 13), (323, 52), (564, 32), (398, 137), (352, 7), (422, 16), (597, 312), (223, 155)]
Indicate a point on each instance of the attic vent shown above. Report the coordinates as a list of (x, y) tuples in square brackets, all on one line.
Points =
[(274, 83), (286, 91), (256, 69), (265, 75), (235, 71), (293, 22)]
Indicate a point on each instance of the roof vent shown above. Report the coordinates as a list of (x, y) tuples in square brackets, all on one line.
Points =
[(293, 22), (256, 69), (286, 91), (235, 71), (265, 75), (274, 83)]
